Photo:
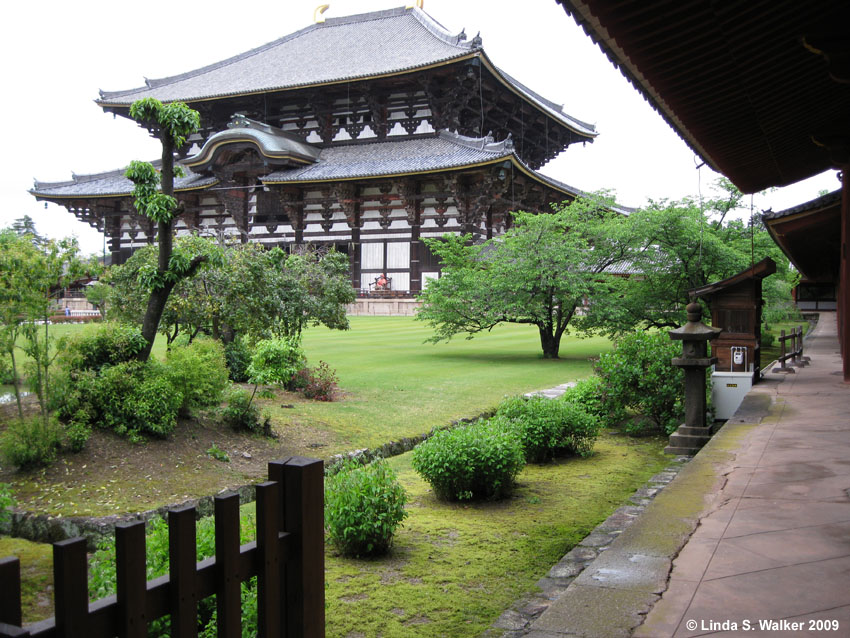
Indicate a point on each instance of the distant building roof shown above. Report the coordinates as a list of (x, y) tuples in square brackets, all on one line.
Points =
[(110, 184), (340, 49)]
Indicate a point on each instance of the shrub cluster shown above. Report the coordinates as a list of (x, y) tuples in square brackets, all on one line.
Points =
[(637, 375), (31, 442), (242, 414), (198, 371), (550, 427), (480, 460), (112, 343), (276, 361), (364, 505)]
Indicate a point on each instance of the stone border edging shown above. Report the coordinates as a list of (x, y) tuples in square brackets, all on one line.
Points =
[(516, 621), (46, 528)]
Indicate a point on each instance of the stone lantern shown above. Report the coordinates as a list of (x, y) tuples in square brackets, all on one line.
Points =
[(694, 335)]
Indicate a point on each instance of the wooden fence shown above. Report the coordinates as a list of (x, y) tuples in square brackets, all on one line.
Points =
[(795, 353), (287, 558)]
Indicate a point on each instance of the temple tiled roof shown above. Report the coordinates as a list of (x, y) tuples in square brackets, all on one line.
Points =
[(339, 49), (365, 45), (397, 157), (110, 184)]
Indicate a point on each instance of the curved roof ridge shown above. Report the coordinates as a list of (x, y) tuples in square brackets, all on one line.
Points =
[(429, 23), (558, 109)]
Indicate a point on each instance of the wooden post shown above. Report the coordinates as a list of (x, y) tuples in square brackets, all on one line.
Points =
[(228, 595), (182, 571), (10, 600), (131, 579), (268, 580), (71, 593), (304, 517)]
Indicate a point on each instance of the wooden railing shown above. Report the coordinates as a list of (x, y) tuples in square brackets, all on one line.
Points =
[(287, 558), (795, 353)]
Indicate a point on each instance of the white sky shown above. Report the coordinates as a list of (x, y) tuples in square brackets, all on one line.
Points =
[(57, 54)]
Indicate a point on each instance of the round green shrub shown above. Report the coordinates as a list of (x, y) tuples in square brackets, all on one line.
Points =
[(111, 343), (364, 505), (638, 375), (478, 461), (131, 398), (31, 442), (276, 361), (549, 427), (198, 371), (242, 414), (588, 394)]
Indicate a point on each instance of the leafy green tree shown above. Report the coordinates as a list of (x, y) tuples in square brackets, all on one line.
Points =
[(540, 272), (25, 227), (269, 293), (30, 274), (154, 198), (191, 307), (684, 246)]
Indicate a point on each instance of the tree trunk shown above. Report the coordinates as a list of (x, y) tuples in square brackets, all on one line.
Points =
[(159, 296), (16, 383), (550, 343)]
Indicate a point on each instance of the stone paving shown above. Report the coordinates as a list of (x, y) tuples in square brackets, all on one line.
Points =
[(751, 538)]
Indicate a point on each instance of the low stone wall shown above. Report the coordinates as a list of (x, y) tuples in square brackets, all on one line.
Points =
[(44, 528), (375, 307)]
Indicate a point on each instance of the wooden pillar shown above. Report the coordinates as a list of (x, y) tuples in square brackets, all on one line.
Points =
[(413, 206), (843, 314)]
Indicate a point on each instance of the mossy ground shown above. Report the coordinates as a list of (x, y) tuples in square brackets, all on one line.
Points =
[(36, 576), (455, 567)]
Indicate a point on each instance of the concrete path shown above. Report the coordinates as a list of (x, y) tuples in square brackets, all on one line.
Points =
[(756, 527)]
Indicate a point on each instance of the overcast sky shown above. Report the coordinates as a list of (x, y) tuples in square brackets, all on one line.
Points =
[(56, 55)]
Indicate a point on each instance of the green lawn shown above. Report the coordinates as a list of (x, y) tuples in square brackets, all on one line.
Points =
[(395, 385)]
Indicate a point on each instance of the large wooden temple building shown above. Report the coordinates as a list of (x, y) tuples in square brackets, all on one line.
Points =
[(366, 132)]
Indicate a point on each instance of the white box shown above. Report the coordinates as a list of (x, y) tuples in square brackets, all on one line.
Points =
[(728, 389)]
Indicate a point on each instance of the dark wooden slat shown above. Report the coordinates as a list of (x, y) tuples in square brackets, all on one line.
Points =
[(70, 580), (131, 579), (228, 590), (304, 517), (10, 601), (268, 579), (182, 564)]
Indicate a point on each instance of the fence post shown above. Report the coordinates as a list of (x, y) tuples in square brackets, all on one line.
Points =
[(182, 568), (268, 580), (228, 597), (10, 601), (71, 590), (303, 506), (782, 356), (11, 617), (131, 579)]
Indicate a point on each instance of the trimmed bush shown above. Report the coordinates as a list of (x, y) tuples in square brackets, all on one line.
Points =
[(588, 394), (638, 375), (276, 361), (131, 398), (112, 343), (242, 415), (31, 442), (364, 505), (549, 427), (198, 371), (478, 461)]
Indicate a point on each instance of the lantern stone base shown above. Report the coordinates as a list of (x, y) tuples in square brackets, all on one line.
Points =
[(689, 440)]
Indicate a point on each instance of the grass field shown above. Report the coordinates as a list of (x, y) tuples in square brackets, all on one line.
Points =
[(395, 385)]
